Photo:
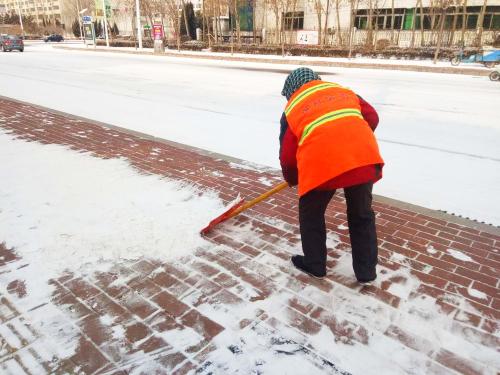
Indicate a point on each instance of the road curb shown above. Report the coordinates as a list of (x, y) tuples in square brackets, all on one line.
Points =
[(410, 68)]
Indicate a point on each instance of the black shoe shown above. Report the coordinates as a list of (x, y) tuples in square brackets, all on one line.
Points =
[(366, 281), (298, 262)]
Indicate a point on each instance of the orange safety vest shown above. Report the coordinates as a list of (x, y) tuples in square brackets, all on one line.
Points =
[(333, 138)]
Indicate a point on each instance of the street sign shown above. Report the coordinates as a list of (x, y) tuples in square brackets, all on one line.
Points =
[(89, 33), (158, 31), (87, 19), (307, 37), (147, 27)]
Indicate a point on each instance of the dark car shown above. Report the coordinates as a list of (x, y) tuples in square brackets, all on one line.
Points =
[(11, 42), (53, 38)]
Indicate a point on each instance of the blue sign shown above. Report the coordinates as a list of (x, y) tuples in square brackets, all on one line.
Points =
[(87, 18)]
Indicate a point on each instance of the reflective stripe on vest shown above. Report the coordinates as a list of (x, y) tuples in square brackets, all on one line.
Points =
[(328, 117), (306, 93)]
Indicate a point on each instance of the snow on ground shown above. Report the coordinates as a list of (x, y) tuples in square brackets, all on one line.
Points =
[(439, 133), (66, 208), (63, 210), (358, 59)]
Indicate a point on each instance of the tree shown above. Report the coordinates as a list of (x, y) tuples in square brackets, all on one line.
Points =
[(338, 4), (319, 12), (479, 25), (189, 26), (75, 27), (98, 28), (114, 30), (275, 5), (464, 22), (443, 6), (354, 7)]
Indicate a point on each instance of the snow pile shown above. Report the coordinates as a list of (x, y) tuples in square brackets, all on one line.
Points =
[(63, 209)]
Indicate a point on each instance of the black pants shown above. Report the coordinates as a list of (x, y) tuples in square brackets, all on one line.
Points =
[(361, 221)]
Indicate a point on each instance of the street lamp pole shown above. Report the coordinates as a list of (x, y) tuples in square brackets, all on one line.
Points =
[(80, 12), (138, 22), (20, 17), (105, 22)]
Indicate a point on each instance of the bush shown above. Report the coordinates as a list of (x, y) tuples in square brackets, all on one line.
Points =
[(496, 42), (75, 27), (383, 44), (192, 45), (290, 50)]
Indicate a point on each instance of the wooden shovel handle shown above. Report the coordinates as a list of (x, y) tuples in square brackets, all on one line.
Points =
[(260, 198)]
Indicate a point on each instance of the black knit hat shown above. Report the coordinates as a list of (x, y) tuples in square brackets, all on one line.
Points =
[(296, 79)]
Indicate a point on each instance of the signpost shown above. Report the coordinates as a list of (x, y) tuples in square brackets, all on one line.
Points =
[(307, 37), (158, 37), (88, 31)]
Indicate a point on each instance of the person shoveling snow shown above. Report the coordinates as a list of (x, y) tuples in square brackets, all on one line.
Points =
[(327, 143)]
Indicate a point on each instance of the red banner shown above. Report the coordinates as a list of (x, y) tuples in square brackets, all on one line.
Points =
[(158, 31)]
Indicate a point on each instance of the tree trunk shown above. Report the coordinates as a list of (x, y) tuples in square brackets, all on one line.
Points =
[(325, 29), (203, 18), (294, 8), (253, 22), (282, 36), (237, 19), (319, 11), (392, 21), (178, 25), (414, 25), (369, 32), (186, 23), (451, 35), (421, 24), (339, 29), (433, 22), (278, 32), (440, 35), (479, 25), (354, 7), (464, 21), (218, 31)]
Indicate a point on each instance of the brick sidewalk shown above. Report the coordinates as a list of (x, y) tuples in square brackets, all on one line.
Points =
[(244, 289)]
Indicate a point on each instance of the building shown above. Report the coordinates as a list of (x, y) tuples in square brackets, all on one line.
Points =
[(396, 22), (42, 11)]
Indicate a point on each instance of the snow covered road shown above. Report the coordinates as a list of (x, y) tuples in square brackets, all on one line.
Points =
[(439, 133)]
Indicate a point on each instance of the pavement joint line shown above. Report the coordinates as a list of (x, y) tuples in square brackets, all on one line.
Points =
[(436, 214), (333, 64)]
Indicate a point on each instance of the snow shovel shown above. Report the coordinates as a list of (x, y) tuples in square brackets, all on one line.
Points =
[(240, 206)]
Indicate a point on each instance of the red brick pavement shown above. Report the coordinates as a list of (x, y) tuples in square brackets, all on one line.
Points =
[(149, 300)]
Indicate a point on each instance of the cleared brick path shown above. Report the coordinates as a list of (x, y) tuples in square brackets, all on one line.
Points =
[(204, 290)]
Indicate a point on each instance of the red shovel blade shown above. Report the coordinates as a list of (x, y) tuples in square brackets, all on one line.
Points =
[(223, 217)]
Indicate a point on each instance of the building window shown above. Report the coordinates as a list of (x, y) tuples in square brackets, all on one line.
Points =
[(495, 22), (293, 20), (471, 21), (406, 19), (381, 19)]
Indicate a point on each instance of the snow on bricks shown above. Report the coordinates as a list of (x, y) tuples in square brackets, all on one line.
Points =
[(102, 269)]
